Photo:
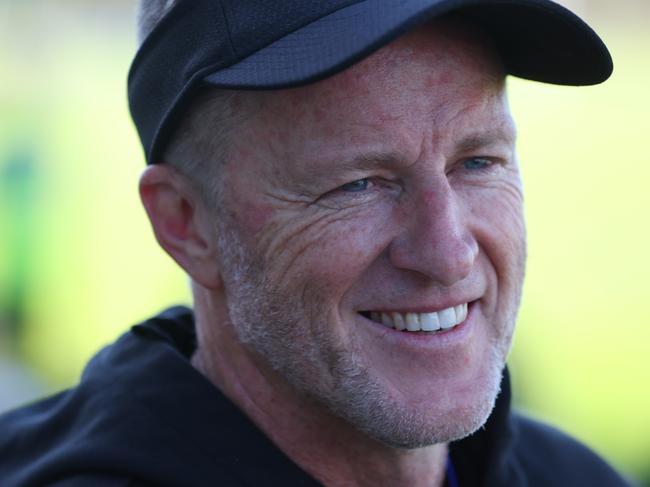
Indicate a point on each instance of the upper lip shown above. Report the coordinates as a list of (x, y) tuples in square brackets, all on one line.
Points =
[(421, 308)]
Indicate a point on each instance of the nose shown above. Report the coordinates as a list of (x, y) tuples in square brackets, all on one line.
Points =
[(435, 238)]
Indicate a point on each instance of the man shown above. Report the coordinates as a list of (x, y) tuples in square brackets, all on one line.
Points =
[(339, 181)]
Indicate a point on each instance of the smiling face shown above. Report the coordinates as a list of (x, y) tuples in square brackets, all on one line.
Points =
[(382, 200)]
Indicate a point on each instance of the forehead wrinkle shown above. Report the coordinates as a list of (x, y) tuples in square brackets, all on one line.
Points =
[(483, 119), (374, 159)]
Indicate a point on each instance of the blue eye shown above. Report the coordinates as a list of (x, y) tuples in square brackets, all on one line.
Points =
[(477, 163), (356, 186)]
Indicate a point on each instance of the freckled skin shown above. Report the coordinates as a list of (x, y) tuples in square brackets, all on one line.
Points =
[(427, 230)]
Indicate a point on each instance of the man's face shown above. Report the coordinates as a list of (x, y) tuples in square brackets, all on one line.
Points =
[(391, 193)]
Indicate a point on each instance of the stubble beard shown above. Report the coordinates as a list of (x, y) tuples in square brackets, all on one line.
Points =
[(272, 323)]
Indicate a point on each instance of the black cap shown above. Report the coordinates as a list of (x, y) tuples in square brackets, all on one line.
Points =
[(264, 45)]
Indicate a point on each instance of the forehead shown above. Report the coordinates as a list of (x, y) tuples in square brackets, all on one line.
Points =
[(440, 49), (445, 52), (436, 78)]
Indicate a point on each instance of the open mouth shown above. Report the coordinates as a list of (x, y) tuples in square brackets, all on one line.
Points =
[(434, 322)]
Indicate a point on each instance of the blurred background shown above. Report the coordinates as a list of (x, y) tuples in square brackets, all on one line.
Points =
[(79, 265)]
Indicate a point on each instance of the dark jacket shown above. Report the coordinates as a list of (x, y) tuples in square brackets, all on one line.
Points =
[(142, 415)]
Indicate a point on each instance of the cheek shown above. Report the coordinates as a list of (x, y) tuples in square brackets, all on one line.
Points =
[(506, 221), (331, 251), (255, 217), (500, 230), (501, 235), (498, 210)]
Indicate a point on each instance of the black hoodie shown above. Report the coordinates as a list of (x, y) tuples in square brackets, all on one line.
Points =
[(142, 415)]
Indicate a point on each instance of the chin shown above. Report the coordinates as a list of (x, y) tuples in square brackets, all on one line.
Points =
[(448, 417), (419, 429)]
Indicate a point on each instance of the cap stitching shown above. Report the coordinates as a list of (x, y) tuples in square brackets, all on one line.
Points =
[(227, 22)]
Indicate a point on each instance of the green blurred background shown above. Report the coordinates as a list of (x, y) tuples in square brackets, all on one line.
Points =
[(78, 263)]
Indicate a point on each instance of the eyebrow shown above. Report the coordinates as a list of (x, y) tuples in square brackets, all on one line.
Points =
[(479, 140), (374, 159)]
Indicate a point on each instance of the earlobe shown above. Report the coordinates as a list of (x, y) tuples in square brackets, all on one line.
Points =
[(172, 206)]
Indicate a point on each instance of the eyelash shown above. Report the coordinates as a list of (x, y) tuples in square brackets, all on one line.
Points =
[(488, 163), (366, 183)]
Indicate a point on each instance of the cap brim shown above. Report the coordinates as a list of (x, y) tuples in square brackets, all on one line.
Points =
[(537, 40)]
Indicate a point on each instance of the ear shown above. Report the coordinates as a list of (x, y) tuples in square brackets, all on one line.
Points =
[(174, 210)]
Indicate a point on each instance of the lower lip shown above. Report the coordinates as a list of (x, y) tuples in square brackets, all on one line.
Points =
[(453, 336)]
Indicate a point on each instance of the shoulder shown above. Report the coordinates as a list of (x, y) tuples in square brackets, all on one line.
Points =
[(551, 457), (140, 416)]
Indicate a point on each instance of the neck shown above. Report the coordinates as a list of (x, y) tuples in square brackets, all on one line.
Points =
[(327, 447)]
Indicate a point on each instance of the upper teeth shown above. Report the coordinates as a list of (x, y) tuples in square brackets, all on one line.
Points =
[(439, 320)]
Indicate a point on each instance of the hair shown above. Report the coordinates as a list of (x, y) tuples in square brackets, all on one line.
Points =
[(149, 14), (198, 146)]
